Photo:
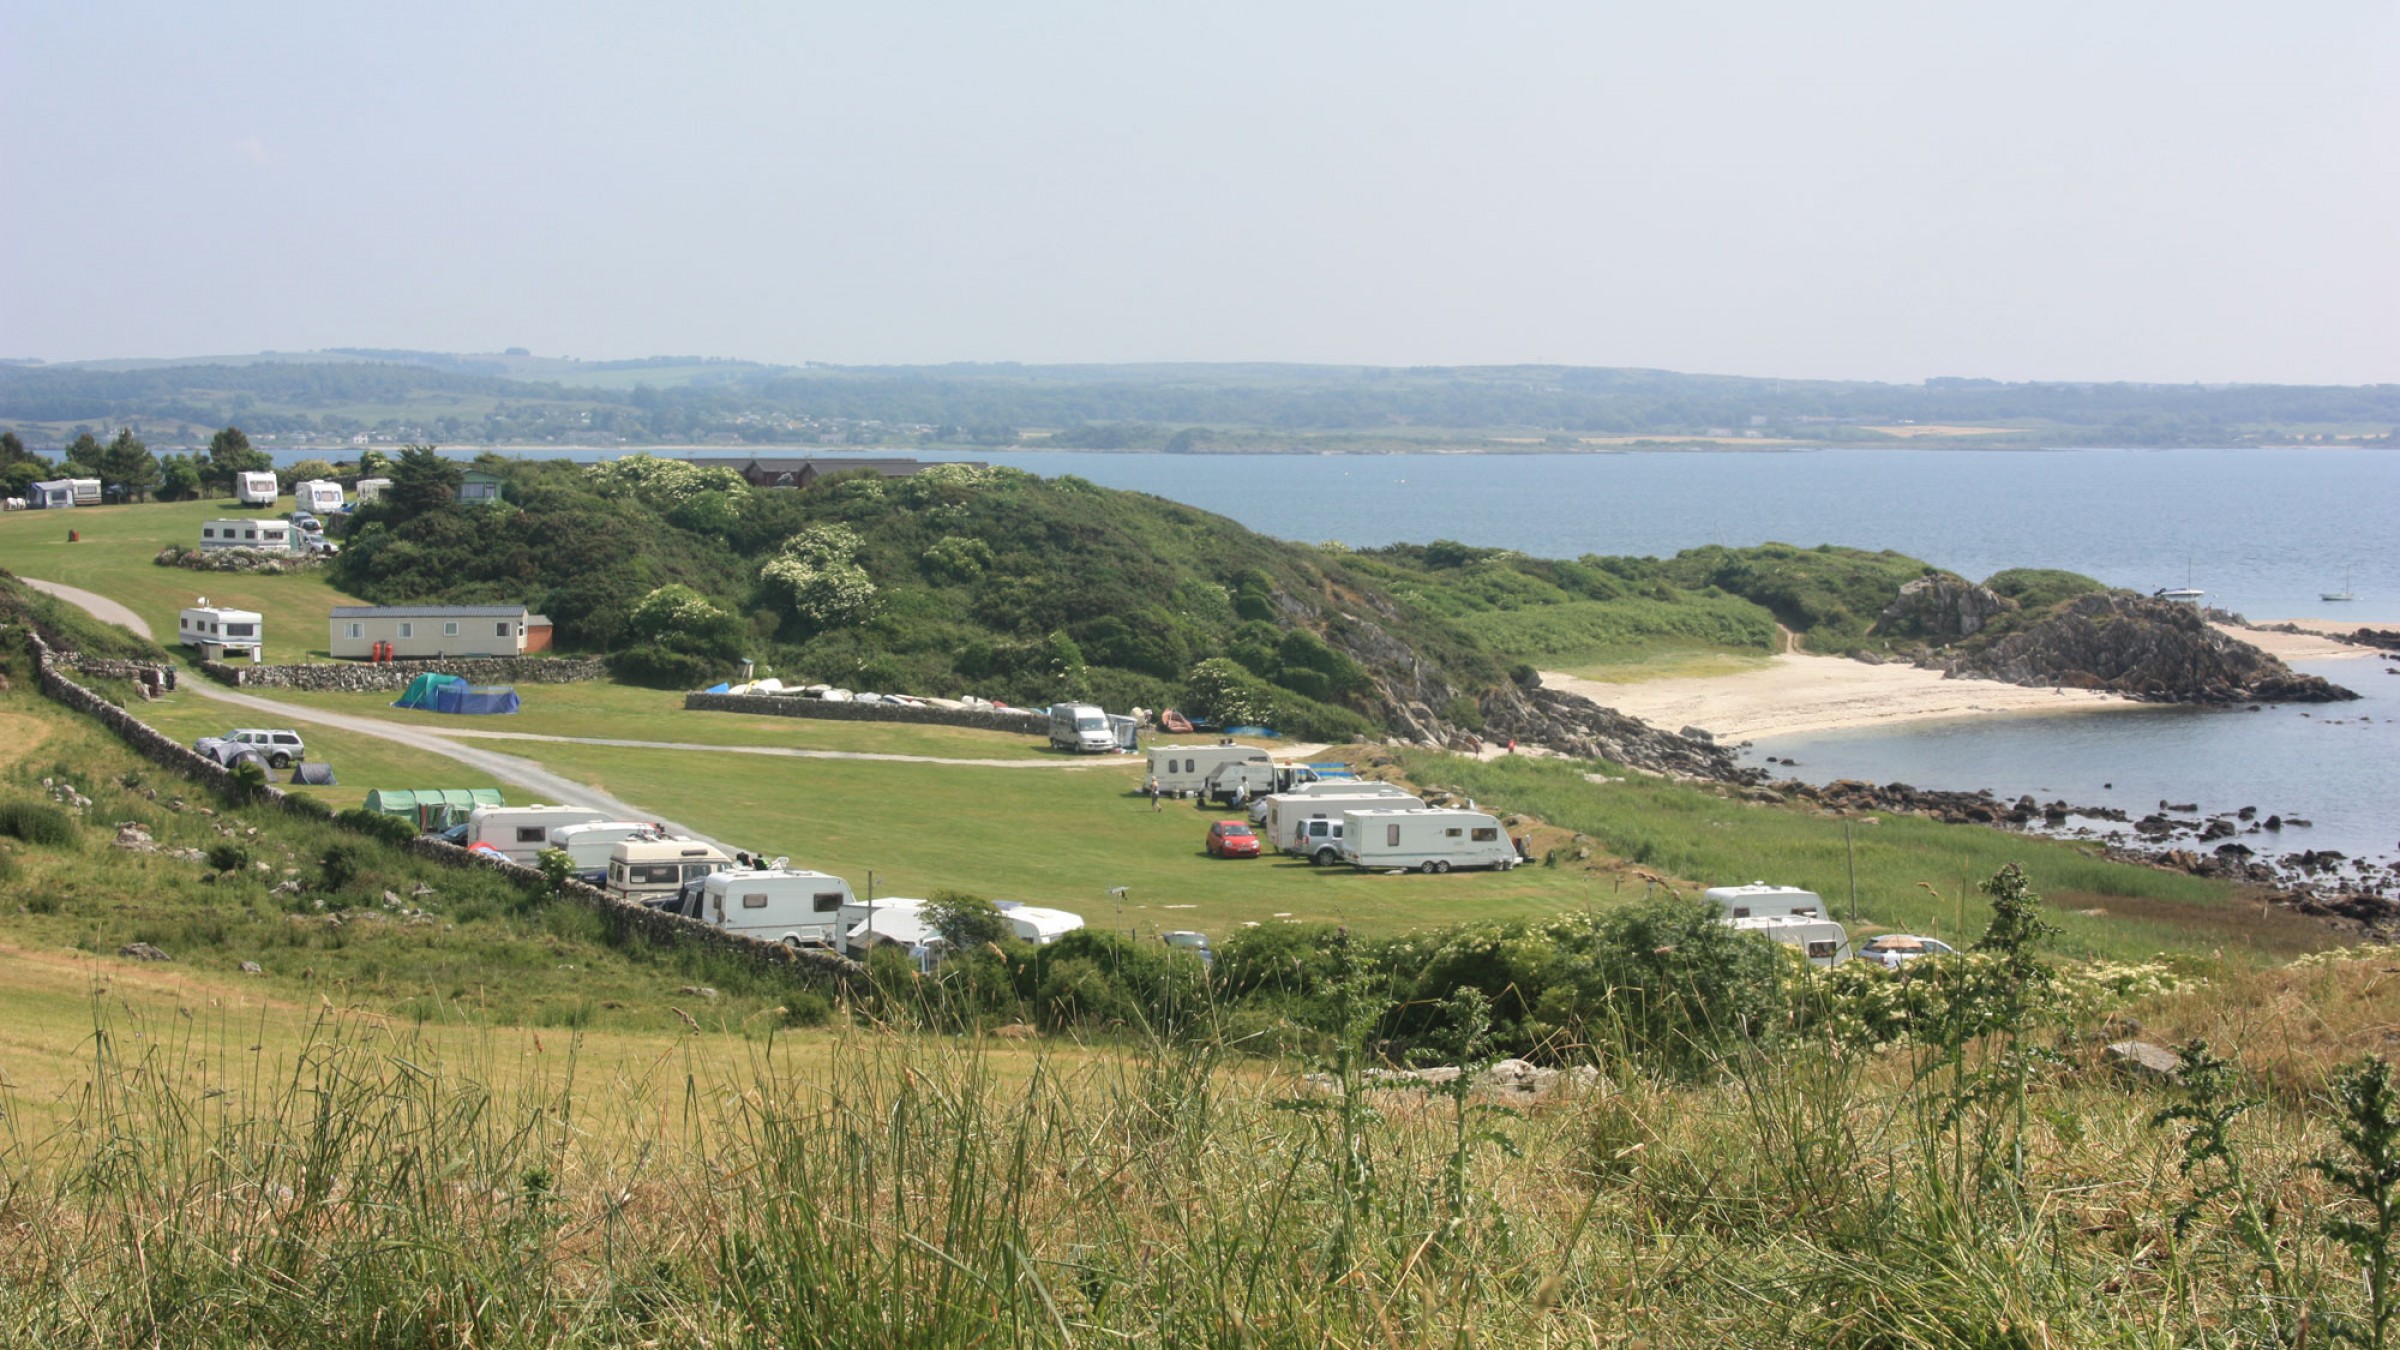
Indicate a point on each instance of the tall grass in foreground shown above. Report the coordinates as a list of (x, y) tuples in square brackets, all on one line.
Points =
[(872, 1187)]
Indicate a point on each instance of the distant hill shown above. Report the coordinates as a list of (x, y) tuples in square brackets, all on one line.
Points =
[(514, 397)]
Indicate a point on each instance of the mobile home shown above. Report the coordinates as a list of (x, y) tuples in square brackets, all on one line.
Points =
[(256, 489), (271, 536), (317, 495), (522, 832), (773, 904), (428, 630), (1184, 770), (219, 632), (1288, 814), (1080, 727), (1821, 941), (1760, 900), (1427, 839), (655, 871), (589, 843)]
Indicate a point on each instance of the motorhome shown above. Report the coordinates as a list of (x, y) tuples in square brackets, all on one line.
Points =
[(522, 832), (773, 904), (1183, 770), (219, 632), (1427, 839), (1288, 814), (1758, 900), (588, 844), (1080, 727), (317, 495), (256, 489), (1821, 941), (653, 871)]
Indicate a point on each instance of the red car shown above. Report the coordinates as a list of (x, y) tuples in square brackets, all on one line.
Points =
[(1232, 839)]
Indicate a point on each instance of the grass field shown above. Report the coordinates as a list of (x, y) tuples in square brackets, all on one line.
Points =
[(1670, 663), (113, 558), (360, 763)]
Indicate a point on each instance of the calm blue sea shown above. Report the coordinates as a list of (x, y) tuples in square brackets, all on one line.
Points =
[(2262, 531)]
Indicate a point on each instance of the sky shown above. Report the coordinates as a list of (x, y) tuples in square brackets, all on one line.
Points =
[(2197, 191)]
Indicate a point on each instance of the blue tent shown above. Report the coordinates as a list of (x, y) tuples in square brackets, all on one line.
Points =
[(450, 694)]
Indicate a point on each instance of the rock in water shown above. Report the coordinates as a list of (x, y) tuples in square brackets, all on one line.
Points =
[(2136, 645)]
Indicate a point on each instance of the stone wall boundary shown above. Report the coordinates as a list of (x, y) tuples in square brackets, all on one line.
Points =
[(365, 677), (826, 971), (1017, 720)]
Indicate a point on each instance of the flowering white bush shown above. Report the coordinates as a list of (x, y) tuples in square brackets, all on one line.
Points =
[(663, 482), (671, 613), (817, 571)]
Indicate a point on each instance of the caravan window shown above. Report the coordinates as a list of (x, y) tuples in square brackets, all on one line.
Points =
[(450, 629), (1391, 835), (656, 874), (1485, 834), (234, 629), (1822, 949), (1453, 832), (692, 870), (358, 630), (500, 630), (532, 834), (829, 902), (1741, 911), (408, 630), (754, 899)]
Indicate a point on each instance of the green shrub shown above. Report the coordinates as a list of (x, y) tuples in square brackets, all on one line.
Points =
[(38, 824), (377, 824), (342, 864), (659, 668), (228, 856)]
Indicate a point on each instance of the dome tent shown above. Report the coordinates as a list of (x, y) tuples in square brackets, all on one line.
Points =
[(450, 694)]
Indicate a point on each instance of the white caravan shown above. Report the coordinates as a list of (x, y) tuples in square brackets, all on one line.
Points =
[(522, 832), (256, 489), (1310, 827), (1427, 839), (1275, 812), (1760, 900), (1037, 924), (653, 871), (589, 844), (268, 536), (893, 921), (317, 496), (1821, 941), (773, 904), (371, 488), (1184, 770), (1080, 727), (219, 632)]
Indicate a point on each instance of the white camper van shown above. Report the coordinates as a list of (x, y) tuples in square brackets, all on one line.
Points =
[(256, 489), (1080, 727), (588, 844), (775, 904), (653, 871), (1760, 900), (1429, 840), (1184, 770), (522, 832), (1288, 813), (219, 632), (317, 496), (1821, 941)]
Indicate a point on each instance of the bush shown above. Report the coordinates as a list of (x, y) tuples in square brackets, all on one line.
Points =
[(659, 668), (227, 856), (377, 824), (38, 824), (340, 865)]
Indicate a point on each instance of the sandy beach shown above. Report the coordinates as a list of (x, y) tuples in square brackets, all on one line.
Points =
[(2308, 646)]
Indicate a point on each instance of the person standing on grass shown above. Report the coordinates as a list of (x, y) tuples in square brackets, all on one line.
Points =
[(1153, 791)]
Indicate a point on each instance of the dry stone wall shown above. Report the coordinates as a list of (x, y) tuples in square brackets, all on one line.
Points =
[(772, 705), (354, 677)]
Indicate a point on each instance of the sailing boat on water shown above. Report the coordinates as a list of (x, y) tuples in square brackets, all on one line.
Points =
[(2342, 594), (2186, 593)]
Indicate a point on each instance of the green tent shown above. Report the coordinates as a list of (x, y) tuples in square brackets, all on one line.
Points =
[(425, 691), (432, 808)]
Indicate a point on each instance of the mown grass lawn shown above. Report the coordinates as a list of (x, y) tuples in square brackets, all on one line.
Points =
[(361, 763), (113, 557)]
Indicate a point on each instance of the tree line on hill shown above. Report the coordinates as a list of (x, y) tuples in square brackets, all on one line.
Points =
[(129, 472)]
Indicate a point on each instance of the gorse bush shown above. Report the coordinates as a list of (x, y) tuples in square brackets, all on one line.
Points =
[(36, 823)]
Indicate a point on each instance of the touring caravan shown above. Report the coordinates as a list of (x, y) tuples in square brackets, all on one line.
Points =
[(522, 832), (1080, 727), (1324, 787), (218, 632), (1037, 924), (891, 921), (256, 489), (1248, 780), (588, 844), (64, 492), (371, 488), (1288, 814), (1821, 941), (1184, 770), (1759, 900), (317, 496), (773, 904), (1427, 839), (653, 871)]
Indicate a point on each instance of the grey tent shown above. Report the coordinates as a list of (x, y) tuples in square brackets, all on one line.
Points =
[(313, 775)]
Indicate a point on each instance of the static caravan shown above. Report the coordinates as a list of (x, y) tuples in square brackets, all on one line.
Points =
[(522, 832), (1184, 770), (371, 488), (774, 904), (589, 844), (219, 632), (413, 631), (1821, 941), (256, 489), (317, 495), (1288, 814), (1759, 900), (1428, 840), (654, 871), (1080, 727), (270, 536)]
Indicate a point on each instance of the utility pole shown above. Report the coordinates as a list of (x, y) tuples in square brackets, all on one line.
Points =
[(1850, 846)]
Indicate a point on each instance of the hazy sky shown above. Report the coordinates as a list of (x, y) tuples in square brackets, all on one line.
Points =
[(2188, 191)]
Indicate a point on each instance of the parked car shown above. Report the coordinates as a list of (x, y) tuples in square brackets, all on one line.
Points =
[(1232, 839), (1898, 949), (280, 747), (304, 521)]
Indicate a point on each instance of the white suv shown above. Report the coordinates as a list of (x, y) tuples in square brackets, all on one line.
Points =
[(280, 748)]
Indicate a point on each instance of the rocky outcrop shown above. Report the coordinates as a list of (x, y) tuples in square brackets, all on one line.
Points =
[(2136, 645), (1941, 608), (1574, 725)]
